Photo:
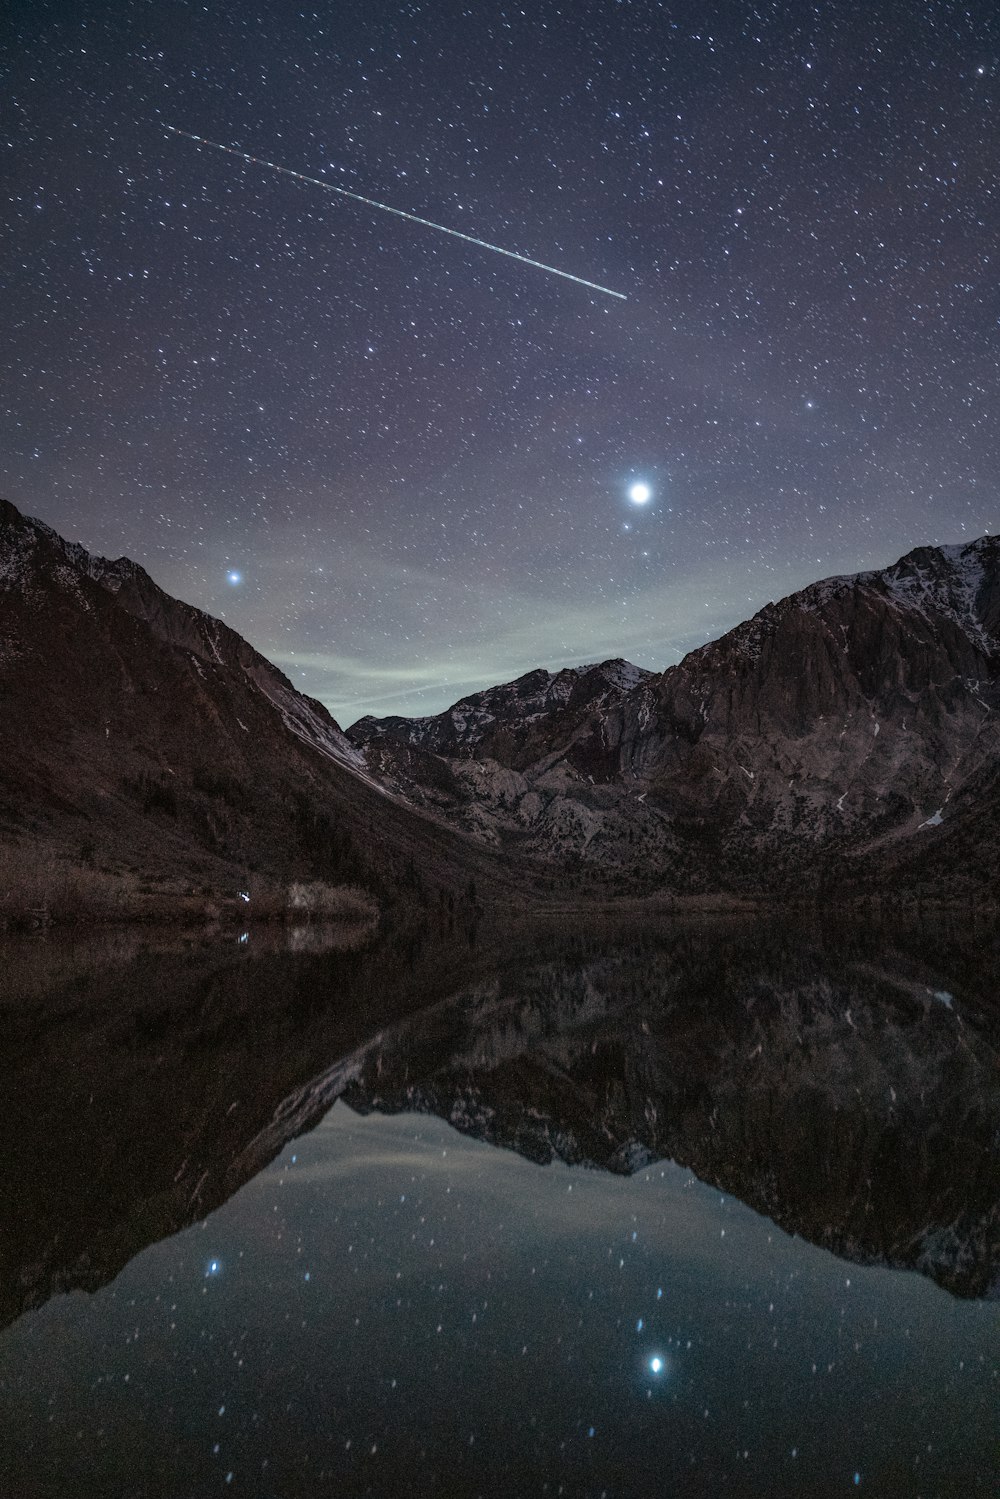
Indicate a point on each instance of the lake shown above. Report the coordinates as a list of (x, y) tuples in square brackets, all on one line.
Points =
[(699, 1209)]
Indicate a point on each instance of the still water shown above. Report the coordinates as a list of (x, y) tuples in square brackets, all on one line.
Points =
[(710, 1212)]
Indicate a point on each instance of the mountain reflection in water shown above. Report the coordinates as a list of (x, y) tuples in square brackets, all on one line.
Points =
[(844, 1082)]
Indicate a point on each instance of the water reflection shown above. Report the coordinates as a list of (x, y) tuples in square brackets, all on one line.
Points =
[(288, 1297), (854, 1102), (843, 1082)]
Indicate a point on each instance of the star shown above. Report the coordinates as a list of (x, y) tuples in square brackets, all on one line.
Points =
[(383, 379)]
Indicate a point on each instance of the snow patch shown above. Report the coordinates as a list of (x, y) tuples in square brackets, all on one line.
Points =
[(950, 590), (301, 719)]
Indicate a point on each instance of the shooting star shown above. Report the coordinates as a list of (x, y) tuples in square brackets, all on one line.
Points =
[(330, 187)]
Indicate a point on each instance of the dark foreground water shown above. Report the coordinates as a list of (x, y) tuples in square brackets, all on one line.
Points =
[(479, 1271)]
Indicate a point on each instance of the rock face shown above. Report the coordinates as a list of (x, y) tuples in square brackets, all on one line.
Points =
[(140, 733), (511, 722), (851, 727)]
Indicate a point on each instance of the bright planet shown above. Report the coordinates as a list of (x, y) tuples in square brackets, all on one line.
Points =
[(640, 494)]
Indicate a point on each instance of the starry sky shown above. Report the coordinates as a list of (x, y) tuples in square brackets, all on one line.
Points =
[(405, 467), (393, 1308)]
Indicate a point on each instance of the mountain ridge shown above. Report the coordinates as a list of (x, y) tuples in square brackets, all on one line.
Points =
[(859, 710), (141, 735), (845, 736)]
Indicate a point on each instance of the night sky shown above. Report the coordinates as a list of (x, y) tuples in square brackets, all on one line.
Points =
[(400, 464)]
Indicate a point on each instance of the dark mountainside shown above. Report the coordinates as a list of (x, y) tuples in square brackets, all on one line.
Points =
[(139, 734), (844, 1082), (845, 737), (845, 740)]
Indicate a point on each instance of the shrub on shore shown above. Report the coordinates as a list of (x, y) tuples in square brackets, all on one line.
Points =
[(330, 902), (39, 889)]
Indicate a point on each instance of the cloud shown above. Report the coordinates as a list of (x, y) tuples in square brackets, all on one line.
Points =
[(437, 644)]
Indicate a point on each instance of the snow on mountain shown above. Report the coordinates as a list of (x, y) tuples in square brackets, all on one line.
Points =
[(510, 707)]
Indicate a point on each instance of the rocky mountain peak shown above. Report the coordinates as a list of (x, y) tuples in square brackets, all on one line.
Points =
[(861, 711), (946, 586), (473, 724), (957, 582)]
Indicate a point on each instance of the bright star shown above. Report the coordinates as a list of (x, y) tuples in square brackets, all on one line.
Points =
[(640, 494), (214, 1267), (656, 1364), (234, 577)]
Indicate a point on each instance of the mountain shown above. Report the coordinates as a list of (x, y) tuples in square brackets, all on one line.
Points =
[(845, 739), (141, 736), (846, 734), (509, 722)]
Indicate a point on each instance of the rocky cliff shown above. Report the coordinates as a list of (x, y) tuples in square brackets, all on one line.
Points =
[(849, 729)]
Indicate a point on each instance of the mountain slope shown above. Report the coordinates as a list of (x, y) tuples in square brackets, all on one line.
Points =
[(859, 714), (503, 722), (140, 734)]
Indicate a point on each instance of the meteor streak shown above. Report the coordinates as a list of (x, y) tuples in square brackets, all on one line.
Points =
[(400, 213)]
